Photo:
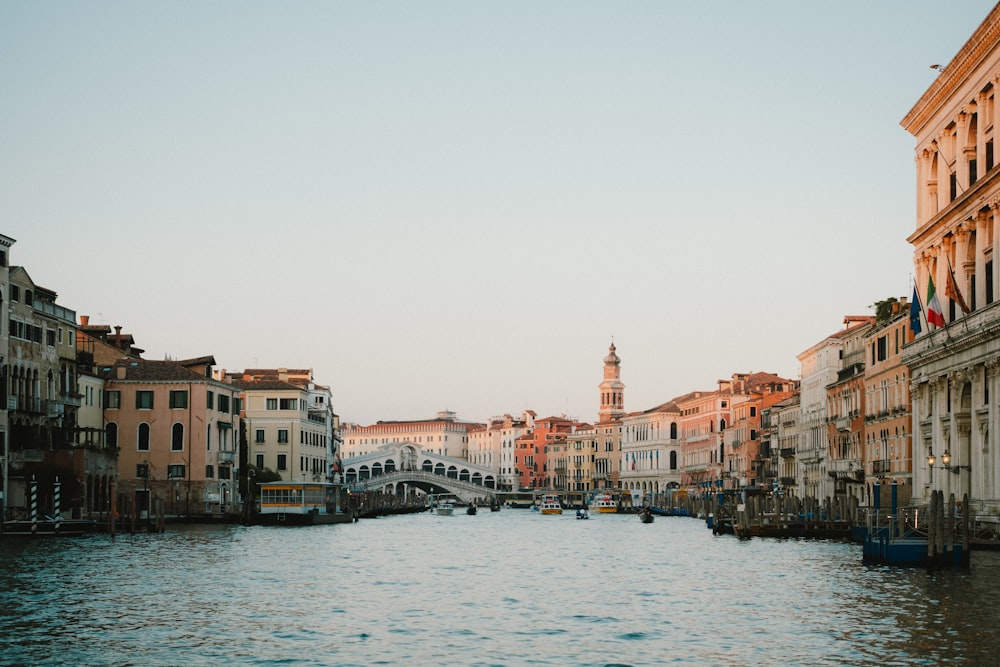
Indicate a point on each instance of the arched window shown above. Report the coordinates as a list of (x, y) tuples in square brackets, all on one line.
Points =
[(673, 430), (142, 438), (673, 460), (177, 437), (111, 435)]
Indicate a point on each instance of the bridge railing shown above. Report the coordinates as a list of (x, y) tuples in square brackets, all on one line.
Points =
[(466, 491)]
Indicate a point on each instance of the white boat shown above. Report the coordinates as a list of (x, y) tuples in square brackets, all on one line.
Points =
[(604, 503), (445, 508), (550, 504), (583, 513)]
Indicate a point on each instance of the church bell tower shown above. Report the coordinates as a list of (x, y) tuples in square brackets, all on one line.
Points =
[(612, 389)]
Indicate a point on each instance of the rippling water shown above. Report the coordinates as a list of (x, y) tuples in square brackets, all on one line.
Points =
[(505, 588)]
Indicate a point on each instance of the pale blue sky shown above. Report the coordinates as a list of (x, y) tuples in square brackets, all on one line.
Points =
[(455, 205)]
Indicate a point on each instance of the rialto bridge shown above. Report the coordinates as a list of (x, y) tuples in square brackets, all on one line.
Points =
[(400, 467)]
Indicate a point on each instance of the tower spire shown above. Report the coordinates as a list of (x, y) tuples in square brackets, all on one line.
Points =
[(612, 388)]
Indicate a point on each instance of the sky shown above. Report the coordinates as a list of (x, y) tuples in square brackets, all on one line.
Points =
[(459, 205)]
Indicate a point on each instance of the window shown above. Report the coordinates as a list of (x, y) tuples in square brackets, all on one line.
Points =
[(259, 436), (210, 400), (175, 471), (223, 403), (178, 398), (15, 293), (112, 399), (143, 400), (753, 410), (50, 337), (225, 472), (111, 435), (209, 472), (260, 461), (289, 404), (283, 435), (142, 439), (272, 404), (282, 462), (177, 437)]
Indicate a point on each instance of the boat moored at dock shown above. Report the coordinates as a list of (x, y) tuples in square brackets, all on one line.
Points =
[(300, 504)]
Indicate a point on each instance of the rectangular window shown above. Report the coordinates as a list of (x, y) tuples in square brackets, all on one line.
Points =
[(143, 399), (209, 472), (288, 404), (282, 462), (50, 337), (224, 403), (175, 471), (210, 400), (260, 461), (989, 282), (283, 436), (272, 404), (15, 293), (224, 472), (112, 399), (259, 436), (178, 398)]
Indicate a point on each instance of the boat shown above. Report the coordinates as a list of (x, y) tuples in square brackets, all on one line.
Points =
[(645, 515), (471, 509), (300, 504), (604, 503), (494, 505), (550, 504), (444, 506), (583, 513)]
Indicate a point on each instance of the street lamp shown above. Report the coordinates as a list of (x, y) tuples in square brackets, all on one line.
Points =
[(946, 463)]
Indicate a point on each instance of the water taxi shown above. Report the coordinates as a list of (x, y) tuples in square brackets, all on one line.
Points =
[(550, 505), (604, 503), (300, 504)]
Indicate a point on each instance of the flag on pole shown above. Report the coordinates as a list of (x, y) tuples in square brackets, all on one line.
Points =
[(915, 312), (952, 292), (935, 315)]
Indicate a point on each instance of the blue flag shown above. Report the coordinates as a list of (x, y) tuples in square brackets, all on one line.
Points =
[(915, 313)]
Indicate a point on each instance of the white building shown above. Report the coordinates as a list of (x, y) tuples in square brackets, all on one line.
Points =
[(955, 368)]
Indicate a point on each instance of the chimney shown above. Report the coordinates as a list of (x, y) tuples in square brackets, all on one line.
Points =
[(121, 371), (84, 320)]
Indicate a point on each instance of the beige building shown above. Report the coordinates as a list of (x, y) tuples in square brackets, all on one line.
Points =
[(444, 435), (955, 371), (289, 421)]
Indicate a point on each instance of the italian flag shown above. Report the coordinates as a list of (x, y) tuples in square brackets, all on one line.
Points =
[(935, 315)]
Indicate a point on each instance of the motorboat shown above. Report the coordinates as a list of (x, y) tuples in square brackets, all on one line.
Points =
[(550, 504), (445, 508), (583, 513), (604, 503)]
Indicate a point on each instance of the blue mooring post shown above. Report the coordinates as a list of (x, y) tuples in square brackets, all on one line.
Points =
[(34, 505), (56, 491), (893, 490), (878, 497)]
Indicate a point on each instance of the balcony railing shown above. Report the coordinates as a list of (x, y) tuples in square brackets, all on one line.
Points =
[(787, 452)]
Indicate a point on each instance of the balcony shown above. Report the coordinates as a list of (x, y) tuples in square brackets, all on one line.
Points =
[(787, 452), (787, 481), (881, 467)]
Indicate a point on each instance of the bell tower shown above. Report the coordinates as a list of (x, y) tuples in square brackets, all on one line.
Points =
[(612, 389)]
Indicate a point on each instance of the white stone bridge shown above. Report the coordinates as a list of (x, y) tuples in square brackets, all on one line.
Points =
[(400, 467)]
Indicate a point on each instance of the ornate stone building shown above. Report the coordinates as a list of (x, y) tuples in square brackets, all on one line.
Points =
[(955, 367)]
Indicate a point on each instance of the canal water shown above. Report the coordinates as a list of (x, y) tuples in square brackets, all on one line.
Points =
[(499, 588)]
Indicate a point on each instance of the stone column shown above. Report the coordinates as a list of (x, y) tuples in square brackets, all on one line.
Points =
[(980, 225), (961, 157), (982, 106)]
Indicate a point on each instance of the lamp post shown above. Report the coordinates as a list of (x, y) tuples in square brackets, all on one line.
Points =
[(946, 463)]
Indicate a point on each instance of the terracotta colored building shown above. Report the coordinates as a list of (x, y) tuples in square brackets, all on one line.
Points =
[(176, 429)]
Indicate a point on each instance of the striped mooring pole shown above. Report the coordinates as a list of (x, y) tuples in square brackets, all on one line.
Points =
[(56, 491), (34, 505)]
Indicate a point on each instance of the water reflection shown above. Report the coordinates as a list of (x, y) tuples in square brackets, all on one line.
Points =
[(507, 588)]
